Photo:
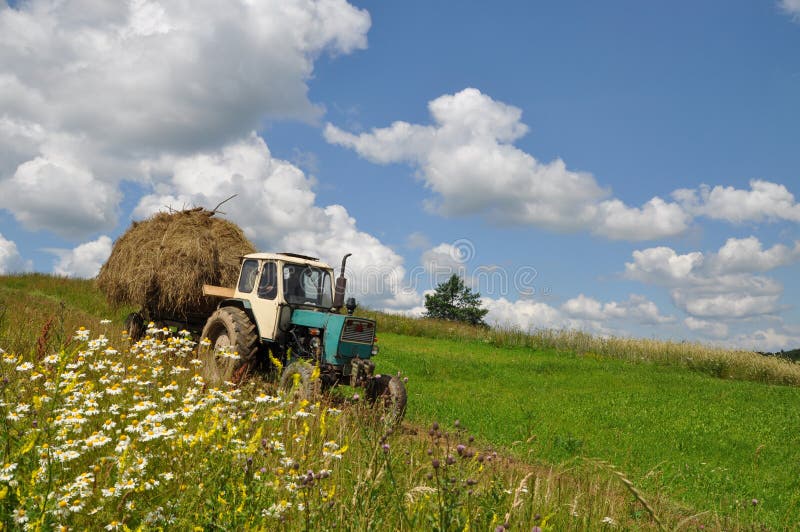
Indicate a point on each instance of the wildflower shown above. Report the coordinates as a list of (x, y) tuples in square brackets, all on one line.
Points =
[(19, 516), (76, 506), (7, 472), (129, 484), (113, 525), (50, 359), (122, 444), (82, 334), (277, 509), (264, 398), (105, 322), (97, 440), (25, 366), (609, 521)]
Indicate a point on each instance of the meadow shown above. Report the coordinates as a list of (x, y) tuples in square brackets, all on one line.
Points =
[(501, 432)]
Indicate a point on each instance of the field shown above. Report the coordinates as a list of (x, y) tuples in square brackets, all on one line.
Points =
[(556, 431)]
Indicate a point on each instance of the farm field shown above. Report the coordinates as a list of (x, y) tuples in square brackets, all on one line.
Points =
[(699, 450), (712, 444)]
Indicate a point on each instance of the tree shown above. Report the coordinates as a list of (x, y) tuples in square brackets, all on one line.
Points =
[(454, 301)]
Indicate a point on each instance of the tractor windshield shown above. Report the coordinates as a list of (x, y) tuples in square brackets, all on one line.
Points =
[(307, 285)]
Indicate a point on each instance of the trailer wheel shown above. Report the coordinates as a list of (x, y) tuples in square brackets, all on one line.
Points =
[(234, 346), (298, 379), (134, 324), (388, 395)]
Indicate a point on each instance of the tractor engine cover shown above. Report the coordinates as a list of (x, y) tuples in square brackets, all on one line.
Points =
[(345, 337)]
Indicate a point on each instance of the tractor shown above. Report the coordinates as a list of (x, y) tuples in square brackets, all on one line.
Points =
[(285, 311)]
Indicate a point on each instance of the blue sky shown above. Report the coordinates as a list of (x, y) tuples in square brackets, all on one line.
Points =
[(634, 166)]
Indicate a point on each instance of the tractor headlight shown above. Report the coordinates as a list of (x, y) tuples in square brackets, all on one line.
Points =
[(374, 349)]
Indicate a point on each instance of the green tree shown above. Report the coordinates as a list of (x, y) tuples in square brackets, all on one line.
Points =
[(454, 301)]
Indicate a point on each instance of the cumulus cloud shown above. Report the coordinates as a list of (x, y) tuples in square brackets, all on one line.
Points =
[(10, 259), (524, 314), (792, 7), (662, 265), (720, 285), (636, 309), (48, 193), (276, 208), (444, 260), (84, 260), (708, 328), (767, 340), (467, 158), (765, 201), (747, 255), (580, 313), (90, 90)]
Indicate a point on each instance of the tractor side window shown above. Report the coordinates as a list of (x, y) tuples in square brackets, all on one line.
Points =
[(268, 284), (247, 279)]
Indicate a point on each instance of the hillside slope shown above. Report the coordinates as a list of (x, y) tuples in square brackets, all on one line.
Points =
[(692, 443)]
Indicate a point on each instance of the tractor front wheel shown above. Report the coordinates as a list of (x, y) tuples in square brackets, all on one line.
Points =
[(298, 379), (388, 395), (234, 346)]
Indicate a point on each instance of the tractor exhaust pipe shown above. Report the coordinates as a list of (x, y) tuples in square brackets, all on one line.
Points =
[(341, 285)]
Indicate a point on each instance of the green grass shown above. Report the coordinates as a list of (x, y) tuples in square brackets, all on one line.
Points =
[(694, 444), (709, 443)]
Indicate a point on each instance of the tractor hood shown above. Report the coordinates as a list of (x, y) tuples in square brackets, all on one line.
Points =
[(344, 337)]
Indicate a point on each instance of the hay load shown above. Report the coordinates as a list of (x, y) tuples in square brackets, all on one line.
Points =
[(161, 264)]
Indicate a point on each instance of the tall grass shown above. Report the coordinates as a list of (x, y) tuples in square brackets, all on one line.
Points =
[(708, 359), (100, 433)]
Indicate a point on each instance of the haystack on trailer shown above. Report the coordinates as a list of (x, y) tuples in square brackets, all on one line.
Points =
[(161, 264)]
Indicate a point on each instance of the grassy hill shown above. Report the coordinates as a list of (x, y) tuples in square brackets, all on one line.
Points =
[(556, 430)]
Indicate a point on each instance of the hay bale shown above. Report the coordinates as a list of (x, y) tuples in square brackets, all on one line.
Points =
[(161, 264)]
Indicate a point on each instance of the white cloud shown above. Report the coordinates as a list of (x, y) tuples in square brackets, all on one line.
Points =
[(719, 285), (765, 201), (418, 240), (708, 328), (10, 259), (636, 309), (89, 90), (792, 7), (747, 255), (725, 306), (84, 260), (655, 219), (276, 207), (60, 196), (767, 340), (444, 260), (579, 313), (468, 160), (662, 265), (524, 314)]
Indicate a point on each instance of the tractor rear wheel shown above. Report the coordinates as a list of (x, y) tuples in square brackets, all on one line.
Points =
[(234, 346), (388, 394), (298, 378)]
